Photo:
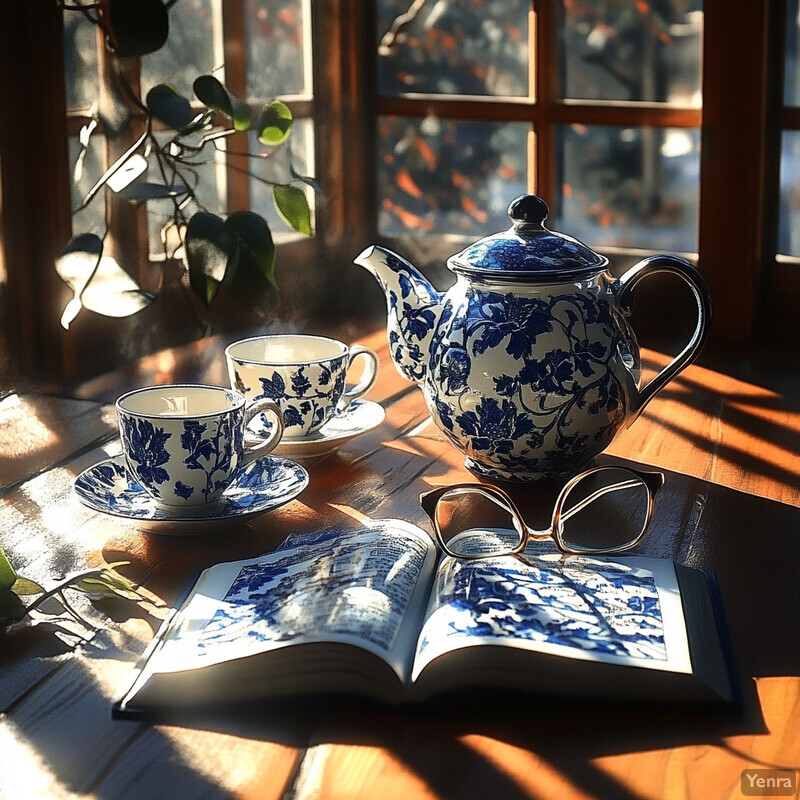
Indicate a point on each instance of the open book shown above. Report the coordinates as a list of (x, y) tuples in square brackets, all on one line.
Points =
[(375, 611)]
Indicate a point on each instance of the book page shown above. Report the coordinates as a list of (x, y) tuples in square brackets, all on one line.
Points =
[(341, 585), (622, 610)]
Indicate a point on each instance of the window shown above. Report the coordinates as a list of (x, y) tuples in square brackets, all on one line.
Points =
[(658, 125), (595, 107), (789, 231), (787, 261), (258, 50), (645, 126), (265, 47)]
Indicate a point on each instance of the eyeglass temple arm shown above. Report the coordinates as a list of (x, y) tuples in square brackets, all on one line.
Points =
[(652, 480)]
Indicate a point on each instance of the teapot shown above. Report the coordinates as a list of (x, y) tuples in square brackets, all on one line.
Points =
[(527, 363)]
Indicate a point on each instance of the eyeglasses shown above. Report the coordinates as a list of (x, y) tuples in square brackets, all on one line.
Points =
[(602, 510)]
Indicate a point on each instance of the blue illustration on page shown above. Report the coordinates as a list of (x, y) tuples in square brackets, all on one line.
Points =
[(603, 608), (336, 584)]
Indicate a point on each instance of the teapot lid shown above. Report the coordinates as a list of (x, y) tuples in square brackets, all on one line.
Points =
[(528, 250)]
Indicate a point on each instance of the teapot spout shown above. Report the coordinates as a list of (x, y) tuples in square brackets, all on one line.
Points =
[(414, 308)]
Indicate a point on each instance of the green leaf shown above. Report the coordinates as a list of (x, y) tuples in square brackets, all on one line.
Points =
[(212, 248), (104, 582), (7, 575), (293, 207), (138, 27), (255, 238), (98, 282), (275, 123), (241, 116), (10, 580), (119, 164), (26, 587), (140, 192), (12, 609), (253, 280), (128, 172), (212, 93), (166, 103), (89, 243), (102, 586)]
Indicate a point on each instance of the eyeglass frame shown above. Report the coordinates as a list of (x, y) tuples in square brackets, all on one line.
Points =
[(652, 481)]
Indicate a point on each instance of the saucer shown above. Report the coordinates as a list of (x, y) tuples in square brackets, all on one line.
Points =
[(262, 485), (359, 417)]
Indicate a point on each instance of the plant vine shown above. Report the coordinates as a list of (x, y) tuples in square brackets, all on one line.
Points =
[(234, 252)]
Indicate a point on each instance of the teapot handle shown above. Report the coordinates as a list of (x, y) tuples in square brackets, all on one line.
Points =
[(691, 276)]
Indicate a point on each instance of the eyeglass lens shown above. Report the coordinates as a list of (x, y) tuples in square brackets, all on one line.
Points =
[(604, 510), (470, 524)]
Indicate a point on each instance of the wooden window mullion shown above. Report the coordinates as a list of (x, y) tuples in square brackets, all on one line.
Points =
[(127, 239), (234, 46), (35, 200), (732, 162), (544, 55)]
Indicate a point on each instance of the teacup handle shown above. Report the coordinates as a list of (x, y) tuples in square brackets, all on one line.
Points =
[(255, 447), (692, 277), (367, 376)]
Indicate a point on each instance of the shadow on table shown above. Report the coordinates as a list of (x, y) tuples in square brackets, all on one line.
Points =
[(443, 743), (751, 543)]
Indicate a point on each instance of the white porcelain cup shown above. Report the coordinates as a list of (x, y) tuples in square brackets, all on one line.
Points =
[(305, 375), (186, 443)]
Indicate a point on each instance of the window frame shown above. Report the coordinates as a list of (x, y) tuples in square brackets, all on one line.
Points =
[(755, 294), (736, 224)]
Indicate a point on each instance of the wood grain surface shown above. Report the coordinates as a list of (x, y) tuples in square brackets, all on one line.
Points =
[(727, 434)]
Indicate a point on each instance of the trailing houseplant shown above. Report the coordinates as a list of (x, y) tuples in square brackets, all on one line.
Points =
[(235, 252), (20, 596)]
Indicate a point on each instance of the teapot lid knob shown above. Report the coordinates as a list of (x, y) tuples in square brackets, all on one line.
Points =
[(528, 209), (527, 251)]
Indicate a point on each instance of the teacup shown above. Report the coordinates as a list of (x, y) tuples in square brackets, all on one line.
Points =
[(305, 375), (185, 443)]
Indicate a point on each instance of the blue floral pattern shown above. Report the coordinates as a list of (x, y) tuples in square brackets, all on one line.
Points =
[(317, 591), (528, 387), (148, 443), (262, 485), (530, 381), (294, 388), (411, 324), (494, 426), (584, 603), (207, 448)]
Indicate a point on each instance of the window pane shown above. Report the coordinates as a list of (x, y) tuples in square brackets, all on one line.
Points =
[(201, 176), (448, 176), (188, 51), (789, 225), (456, 47), (276, 65), (791, 87), (80, 61), (643, 51), (629, 187), (276, 168)]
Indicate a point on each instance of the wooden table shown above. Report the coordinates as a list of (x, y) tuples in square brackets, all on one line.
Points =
[(727, 433)]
